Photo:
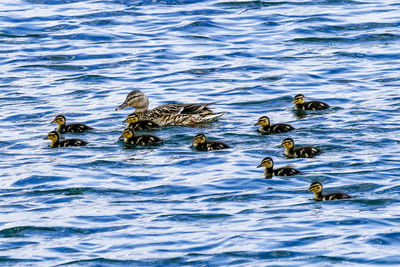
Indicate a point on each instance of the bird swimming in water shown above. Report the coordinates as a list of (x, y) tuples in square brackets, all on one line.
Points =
[(301, 104), (316, 187), (269, 171), (71, 128), (298, 152), (54, 136), (135, 124), (131, 138), (200, 142), (170, 114), (266, 127)]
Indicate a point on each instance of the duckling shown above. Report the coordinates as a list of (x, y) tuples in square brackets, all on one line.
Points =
[(170, 114), (133, 123), (266, 127), (54, 136), (143, 140), (298, 152), (200, 143), (268, 163), (72, 128), (316, 187), (301, 104)]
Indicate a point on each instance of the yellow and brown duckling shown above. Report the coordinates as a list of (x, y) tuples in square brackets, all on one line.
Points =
[(142, 140), (298, 152), (269, 171), (266, 127), (301, 104), (54, 136), (71, 128), (135, 124), (200, 142), (170, 114), (316, 187)]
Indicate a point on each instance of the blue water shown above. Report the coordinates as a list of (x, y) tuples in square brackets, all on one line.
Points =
[(105, 205)]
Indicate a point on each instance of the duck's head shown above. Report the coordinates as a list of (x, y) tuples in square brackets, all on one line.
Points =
[(267, 163), (132, 118), (315, 187), (299, 99), (199, 139), (287, 143), (263, 121), (60, 120), (54, 136), (135, 99), (128, 133)]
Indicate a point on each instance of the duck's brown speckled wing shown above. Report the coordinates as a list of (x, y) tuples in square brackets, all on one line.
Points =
[(72, 142), (76, 128), (285, 171), (334, 196), (306, 152), (215, 145), (281, 128)]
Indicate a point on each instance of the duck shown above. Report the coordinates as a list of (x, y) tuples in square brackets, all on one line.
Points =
[(269, 171), (298, 152), (54, 136), (131, 138), (316, 187), (179, 114), (71, 128), (135, 124), (301, 104), (266, 127), (200, 142)]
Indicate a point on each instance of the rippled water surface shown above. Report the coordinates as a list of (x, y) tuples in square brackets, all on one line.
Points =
[(104, 204)]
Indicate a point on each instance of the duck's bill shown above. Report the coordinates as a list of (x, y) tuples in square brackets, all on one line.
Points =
[(53, 122), (292, 102), (46, 138), (255, 124), (124, 105), (259, 166)]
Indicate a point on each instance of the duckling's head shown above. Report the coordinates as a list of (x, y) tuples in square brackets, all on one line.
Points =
[(128, 133), (287, 143), (263, 121), (132, 118), (315, 187), (299, 99), (199, 139), (135, 99), (267, 163), (60, 120), (54, 136)]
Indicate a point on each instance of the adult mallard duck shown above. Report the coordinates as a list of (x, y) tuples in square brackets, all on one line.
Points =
[(266, 127), (269, 171), (200, 142), (133, 122), (298, 152), (316, 187), (170, 114), (71, 128), (142, 140), (54, 136), (301, 104)]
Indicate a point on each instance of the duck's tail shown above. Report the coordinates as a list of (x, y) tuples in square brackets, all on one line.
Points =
[(212, 117)]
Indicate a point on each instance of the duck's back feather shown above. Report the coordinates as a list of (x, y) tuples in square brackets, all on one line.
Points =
[(334, 196)]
